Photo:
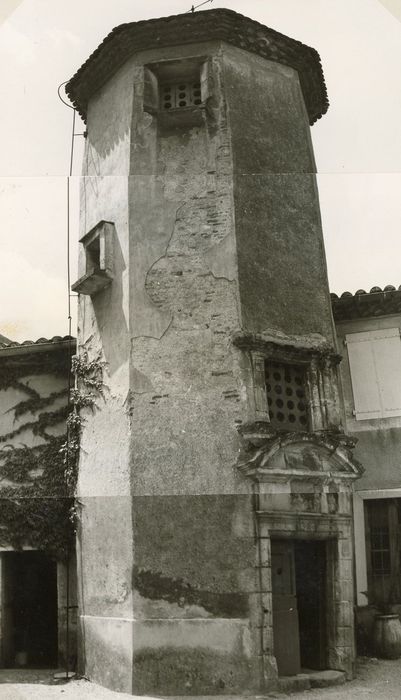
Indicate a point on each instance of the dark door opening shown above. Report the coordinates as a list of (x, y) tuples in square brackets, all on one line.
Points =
[(299, 593), (310, 573), (29, 610)]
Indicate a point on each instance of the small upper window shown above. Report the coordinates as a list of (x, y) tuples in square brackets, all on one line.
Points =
[(375, 366), (286, 396), (177, 90)]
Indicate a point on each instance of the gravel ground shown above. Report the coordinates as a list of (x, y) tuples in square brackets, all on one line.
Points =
[(43, 687), (376, 679)]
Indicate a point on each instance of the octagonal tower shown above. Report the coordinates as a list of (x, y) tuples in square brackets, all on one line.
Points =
[(216, 445)]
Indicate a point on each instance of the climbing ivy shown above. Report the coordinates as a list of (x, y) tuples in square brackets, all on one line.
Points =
[(37, 484)]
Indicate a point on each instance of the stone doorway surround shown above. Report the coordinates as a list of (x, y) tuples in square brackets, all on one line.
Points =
[(302, 485), (337, 533)]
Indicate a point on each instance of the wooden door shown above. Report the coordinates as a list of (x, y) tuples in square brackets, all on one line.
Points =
[(285, 613)]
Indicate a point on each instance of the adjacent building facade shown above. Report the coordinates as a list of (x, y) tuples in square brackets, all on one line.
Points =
[(215, 477), (368, 328), (37, 563)]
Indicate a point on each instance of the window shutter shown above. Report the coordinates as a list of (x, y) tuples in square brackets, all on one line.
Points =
[(387, 353), (365, 385), (150, 92), (206, 80), (375, 364)]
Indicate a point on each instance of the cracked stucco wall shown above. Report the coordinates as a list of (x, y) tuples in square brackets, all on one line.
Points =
[(187, 395)]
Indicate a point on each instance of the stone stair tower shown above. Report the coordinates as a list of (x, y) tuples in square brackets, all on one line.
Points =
[(202, 261)]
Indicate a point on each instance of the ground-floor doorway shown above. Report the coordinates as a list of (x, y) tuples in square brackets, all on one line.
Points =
[(299, 604), (28, 619)]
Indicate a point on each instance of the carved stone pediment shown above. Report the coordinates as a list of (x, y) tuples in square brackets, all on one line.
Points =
[(273, 456)]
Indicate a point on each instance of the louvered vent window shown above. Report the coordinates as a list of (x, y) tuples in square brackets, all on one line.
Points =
[(184, 94), (285, 388)]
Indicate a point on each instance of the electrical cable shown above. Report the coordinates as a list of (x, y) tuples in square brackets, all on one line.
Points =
[(69, 317), (195, 7)]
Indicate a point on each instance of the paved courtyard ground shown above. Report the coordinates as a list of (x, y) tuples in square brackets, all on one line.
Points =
[(375, 679)]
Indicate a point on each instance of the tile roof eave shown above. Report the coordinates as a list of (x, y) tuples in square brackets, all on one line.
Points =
[(54, 344), (214, 24), (363, 304)]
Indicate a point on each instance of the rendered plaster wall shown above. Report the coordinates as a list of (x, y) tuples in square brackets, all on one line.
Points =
[(105, 560), (104, 545), (195, 595), (378, 446), (103, 320), (281, 260)]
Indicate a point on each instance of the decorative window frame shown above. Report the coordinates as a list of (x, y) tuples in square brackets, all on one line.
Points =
[(321, 380), (98, 249), (192, 69)]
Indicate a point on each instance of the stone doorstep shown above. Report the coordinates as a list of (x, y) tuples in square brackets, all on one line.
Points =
[(310, 679)]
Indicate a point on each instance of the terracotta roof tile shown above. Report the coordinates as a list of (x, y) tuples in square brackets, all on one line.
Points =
[(363, 304), (56, 340), (208, 25)]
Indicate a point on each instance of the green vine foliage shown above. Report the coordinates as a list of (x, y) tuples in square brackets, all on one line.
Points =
[(38, 484)]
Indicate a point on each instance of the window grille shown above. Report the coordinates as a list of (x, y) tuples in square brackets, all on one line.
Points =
[(379, 527), (380, 550), (184, 94), (286, 398), (383, 547)]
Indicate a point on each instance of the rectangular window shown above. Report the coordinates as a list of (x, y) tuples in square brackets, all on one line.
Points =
[(383, 547), (375, 366), (286, 396)]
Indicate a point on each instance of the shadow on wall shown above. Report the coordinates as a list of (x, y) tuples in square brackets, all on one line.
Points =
[(109, 313)]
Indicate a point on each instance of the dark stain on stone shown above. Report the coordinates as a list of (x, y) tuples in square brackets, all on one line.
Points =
[(191, 671), (155, 586)]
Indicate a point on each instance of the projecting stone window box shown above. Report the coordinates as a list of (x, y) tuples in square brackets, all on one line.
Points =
[(92, 282), (98, 249)]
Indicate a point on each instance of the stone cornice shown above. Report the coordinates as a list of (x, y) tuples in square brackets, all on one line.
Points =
[(285, 352), (208, 25)]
